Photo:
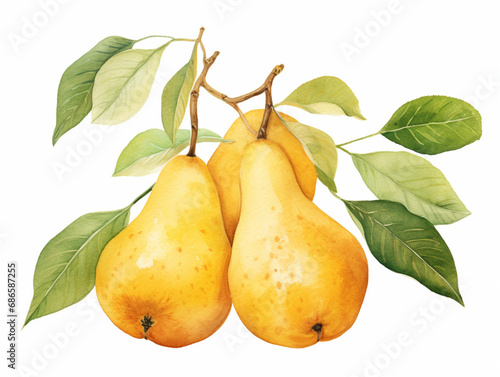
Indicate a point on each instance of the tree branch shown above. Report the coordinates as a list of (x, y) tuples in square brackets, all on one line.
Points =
[(193, 108), (201, 82)]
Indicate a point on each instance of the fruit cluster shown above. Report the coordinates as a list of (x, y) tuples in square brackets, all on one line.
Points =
[(242, 230), (294, 275)]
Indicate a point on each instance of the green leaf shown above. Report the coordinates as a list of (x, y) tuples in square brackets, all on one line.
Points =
[(74, 96), (145, 152), (407, 244), (65, 271), (412, 181), (434, 124), (149, 151), (175, 96), (123, 84), (320, 148), (325, 95)]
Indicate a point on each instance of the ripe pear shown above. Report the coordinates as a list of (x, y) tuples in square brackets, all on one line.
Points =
[(164, 277), (296, 276), (224, 165)]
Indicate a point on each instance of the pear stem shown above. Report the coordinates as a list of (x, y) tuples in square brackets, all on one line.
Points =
[(201, 82), (195, 93), (262, 134), (234, 101)]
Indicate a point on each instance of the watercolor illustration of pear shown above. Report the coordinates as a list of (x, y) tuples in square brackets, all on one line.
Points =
[(224, 165), (296, 276), (164, 277)]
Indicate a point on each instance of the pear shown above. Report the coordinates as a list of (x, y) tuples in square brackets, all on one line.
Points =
[(296, 276), (224, 165), (164, 277)]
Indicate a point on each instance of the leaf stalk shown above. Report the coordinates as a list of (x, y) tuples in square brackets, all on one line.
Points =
[(359, 139)]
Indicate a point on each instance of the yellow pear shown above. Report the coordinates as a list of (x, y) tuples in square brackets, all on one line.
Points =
[(224, 165), (164, 277), (296, 276)]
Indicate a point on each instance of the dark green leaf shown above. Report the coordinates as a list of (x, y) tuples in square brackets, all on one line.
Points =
[(74, 96), (65, 271), (407, 244), (434, 124)]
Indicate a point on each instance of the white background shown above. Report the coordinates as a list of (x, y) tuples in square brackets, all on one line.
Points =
[(425, 47)]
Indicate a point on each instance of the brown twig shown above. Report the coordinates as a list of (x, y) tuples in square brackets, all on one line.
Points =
[(261, 89), (269, 102), (201, 82), (233, 101), (193, 108)]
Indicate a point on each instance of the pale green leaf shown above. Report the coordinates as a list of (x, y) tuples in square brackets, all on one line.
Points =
[(407, 244), (123, 84), (74, 96), (413, 181), (320, 148), (149, 151), (325, 95), (175, 96), (434, 124)]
